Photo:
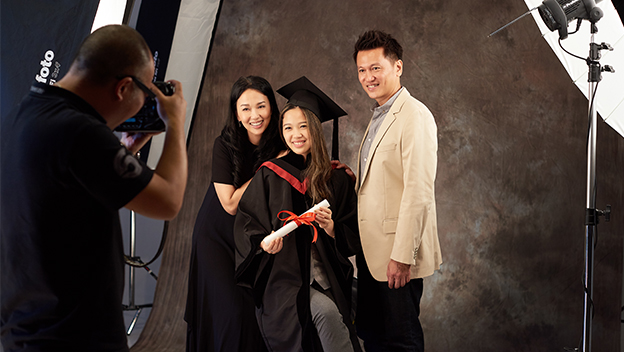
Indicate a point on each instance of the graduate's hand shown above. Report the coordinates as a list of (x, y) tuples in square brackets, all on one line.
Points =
[(324, 219), (338, 165), (274, 246)]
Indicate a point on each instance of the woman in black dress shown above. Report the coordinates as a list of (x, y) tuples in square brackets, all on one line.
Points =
[(220, 314)]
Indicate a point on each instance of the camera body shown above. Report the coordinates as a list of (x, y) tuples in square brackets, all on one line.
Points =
[(147, 119)]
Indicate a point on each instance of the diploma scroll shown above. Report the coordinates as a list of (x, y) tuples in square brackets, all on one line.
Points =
[(289, 227)]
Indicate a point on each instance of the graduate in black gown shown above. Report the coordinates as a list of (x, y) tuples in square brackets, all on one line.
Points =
[(220, 314), (301, 287)]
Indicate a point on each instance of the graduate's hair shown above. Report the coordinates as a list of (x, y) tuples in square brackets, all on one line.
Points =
[(234, 134), (318, 170), (112, 52), (377, 39)]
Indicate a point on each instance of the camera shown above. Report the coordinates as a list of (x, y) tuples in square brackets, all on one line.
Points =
[(147, 119)]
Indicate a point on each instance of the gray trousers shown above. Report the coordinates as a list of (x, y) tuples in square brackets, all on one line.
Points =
[(332, 331)]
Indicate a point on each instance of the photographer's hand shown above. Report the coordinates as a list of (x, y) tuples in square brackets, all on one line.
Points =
[(162, 198), (134, 141), (172, 109)]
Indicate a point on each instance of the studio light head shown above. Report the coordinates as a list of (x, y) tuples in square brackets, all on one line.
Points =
[(558, 13)]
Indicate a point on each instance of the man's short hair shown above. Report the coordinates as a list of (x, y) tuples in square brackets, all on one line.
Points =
[(377, 39), (111, 52)]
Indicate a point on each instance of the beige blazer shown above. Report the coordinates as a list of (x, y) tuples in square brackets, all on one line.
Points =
[(396, 195)]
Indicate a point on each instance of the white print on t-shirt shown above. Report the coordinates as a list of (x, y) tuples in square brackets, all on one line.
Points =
[(126, 165)]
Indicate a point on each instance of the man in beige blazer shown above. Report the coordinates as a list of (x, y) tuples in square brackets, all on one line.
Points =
[(396, 202)]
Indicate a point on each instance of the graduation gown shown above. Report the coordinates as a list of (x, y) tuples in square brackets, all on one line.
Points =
[(281, 282)]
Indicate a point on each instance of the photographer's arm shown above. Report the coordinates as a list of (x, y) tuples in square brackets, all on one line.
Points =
[(162, 198)]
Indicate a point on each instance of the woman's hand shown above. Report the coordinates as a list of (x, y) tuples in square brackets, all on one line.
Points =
[(324, 219), (274, 246)]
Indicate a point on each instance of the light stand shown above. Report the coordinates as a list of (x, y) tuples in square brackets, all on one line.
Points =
[(135, 262), (591, 213), (556, 14), (131, 277)]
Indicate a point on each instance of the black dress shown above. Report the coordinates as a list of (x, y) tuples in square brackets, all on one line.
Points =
[(219, 314), (281, 282)]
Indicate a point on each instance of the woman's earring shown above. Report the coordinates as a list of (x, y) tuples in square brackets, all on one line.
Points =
[(240, 124)]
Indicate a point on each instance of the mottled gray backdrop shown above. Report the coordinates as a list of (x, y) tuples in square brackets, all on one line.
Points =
[(511, 185)]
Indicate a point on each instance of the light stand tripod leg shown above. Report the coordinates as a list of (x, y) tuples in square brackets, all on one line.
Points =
[(138, 309), (133, 322)]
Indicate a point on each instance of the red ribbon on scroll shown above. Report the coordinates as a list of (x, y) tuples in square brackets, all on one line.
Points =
[(305, 219)]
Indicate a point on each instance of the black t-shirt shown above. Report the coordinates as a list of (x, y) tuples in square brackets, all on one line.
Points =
[(64, 177), (223, 166)]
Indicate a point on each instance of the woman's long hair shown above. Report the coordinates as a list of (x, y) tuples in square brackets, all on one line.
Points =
[(234, 135), (318, 170)]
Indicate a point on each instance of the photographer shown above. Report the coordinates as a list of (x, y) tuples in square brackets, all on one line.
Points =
[(64, 177)]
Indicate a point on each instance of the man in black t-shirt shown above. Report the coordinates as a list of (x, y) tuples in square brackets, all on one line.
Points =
[(64, 177)]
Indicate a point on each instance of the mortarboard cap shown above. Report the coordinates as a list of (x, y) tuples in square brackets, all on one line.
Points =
[(304, 93)]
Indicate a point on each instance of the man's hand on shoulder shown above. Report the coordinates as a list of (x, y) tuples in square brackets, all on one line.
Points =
[(336, 164), (398, 274)]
